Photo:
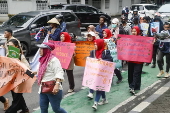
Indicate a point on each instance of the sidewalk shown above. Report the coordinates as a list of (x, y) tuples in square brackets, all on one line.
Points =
[(79, 103)]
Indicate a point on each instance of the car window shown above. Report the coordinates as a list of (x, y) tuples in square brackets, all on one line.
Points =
[(81, 9), (41, 22), (149, 7), (56, 7), (51, 16), (68, 17), (138, 7), (92, 10), (73, 8), (164, 8)]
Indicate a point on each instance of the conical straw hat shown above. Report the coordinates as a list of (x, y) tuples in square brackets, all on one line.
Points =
[(53, 20)]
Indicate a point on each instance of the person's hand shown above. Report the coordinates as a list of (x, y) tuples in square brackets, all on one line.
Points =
[(34, 73), (56, 89)]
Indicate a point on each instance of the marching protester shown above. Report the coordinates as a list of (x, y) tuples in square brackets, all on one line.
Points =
[(125, 11), (136, 22), (5, 101), (91, 36), (54, 30), (18, 102), (164, 51), (156, 43), (50, 74), (60, 18), (101, 26), (65, 37), (91, 28), (134, 69), (124, 28), (115, 28), (101, 54)]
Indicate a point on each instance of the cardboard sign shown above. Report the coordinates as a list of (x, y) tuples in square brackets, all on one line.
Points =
[(13, 52), (113, 51), (154, 27), (144, 28), (2, 51), (98, 74), (82, 51), (12, 73), (135, 48), (64, 52)]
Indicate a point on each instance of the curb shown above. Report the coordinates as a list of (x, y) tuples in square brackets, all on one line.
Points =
[(133, 101)]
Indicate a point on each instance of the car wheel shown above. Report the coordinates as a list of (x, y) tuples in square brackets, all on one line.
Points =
[(24, 49)]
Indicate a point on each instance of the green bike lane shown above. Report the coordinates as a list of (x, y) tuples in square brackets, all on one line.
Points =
[(79, 103)]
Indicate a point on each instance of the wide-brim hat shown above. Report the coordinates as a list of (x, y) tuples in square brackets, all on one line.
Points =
[(46, 45), (53, 21)]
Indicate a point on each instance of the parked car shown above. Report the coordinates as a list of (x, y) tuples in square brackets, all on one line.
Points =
[(164, 13), (87, 14), (26, 25), (143, 10)]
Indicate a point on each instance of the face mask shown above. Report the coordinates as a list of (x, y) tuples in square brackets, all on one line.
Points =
[(114, 25)]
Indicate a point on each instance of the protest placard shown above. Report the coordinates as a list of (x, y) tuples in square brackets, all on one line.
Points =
[(135, 48), (144, 28), (2, 51), (12, 73), (82, 51), (113, 51), (98, 74), (154, 27), (13, 52), (64, 52)]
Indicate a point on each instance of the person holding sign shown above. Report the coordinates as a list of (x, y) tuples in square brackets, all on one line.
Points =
[(101, 54), (91, 36), (50, 71), (18, 102), (65, 37), (134, 69)]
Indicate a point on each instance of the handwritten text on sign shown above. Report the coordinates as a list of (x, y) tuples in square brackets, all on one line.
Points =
[(82, 51), (64, 52), (135, 48), (98, 74), (12, 73), (113, 51)]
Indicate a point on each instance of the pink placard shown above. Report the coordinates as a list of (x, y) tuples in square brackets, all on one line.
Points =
[(135, 48), (64, 52), (98, 74)]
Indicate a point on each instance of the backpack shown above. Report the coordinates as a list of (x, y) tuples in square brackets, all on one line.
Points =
[(123, 31)]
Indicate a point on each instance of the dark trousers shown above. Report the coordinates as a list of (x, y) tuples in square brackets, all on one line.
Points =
[(18, 103), (2, 99), (160, 60), (134, 75), (70, 78), (155, 51), (118, 74)]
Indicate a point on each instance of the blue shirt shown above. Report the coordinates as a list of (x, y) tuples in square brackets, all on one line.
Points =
[(100, 30), (63, 27), (56, 35)]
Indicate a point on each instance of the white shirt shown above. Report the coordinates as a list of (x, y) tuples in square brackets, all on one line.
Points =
[(53, 71)]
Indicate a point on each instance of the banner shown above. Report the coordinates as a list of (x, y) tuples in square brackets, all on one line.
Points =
[(113, 51), (98, 74), (82, 51), (2, 51), (135, 48), (64, 52), (144, 28), (154, 27), (13, 52), (12, 73)]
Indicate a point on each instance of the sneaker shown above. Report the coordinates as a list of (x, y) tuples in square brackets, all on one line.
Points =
[(132, 91), (153, 66), (166, 75), (70, 90), (119, 81), (94, 106), (6, 104), (104, 101), (90, 95), (160, 73)]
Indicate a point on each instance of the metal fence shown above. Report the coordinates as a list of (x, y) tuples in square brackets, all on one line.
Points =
[(3, 7)]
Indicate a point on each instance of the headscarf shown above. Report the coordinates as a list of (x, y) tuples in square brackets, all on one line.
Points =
[(92, 28), (100, 47), (108, 32), (47, 56), (137, 29), (67, 37)]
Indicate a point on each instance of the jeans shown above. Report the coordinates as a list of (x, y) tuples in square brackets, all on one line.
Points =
[(54, 100), (160, 60), (98, 95), (134, 75)]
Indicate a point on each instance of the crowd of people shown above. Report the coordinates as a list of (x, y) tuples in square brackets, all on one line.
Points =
[(51, 69)]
